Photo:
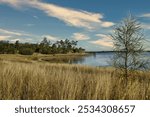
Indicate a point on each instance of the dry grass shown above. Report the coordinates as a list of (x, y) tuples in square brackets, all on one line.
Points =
[(63, 81), (53, 58)]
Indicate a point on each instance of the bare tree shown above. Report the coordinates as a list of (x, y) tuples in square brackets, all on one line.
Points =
[(128, 46)]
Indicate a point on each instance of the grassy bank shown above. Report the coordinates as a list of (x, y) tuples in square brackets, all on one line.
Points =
[(51, 58), (41, 80)]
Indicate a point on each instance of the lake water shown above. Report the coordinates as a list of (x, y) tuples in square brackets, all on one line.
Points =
[(99, 59)]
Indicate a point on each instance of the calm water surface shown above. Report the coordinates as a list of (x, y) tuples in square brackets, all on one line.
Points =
[(99, 59)]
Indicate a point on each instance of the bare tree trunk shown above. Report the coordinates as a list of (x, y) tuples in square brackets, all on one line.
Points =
[(126, 67)]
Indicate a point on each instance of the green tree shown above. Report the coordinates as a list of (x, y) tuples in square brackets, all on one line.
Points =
[(45, 42), (44, 46), (26, 51), (54, 49)]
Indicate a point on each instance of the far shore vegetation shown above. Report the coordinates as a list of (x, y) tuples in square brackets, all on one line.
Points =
[(44, 47)]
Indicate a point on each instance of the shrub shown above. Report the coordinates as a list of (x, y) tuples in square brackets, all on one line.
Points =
[(45, 50), (26, 51)]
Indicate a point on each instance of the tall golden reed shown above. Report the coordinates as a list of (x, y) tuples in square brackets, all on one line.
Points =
[(63, 81)]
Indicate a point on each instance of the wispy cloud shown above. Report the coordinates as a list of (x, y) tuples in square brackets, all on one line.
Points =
[(72, 17), (107, 24), (14, 40), (4, 31), (29, 25), (77, 18), (4, 37), (80, 36), (14, 3), (146, 15), (51, 38), (12, 35), (146, 26), (104, 40), (36, 17)]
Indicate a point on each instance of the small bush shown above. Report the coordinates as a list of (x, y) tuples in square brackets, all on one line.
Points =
[(26, 51), (45, 50), (35, 58)]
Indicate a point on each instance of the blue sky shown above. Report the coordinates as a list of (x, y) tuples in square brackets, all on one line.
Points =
[(87, 21)]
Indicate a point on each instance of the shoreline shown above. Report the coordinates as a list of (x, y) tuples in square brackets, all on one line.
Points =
[(41, 57)]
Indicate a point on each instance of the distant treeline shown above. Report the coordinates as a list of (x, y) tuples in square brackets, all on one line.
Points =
[(44, 47)]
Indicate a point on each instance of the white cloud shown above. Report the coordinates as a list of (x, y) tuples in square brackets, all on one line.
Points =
[(145, 26), (10, 32), (29, 25), (36, 17), (146, 15), (16, 3), (102, 35), (107, 24), (4, 37), (22, 40), (104, 40), (13, 35), (51, 38), (11, 2), (80, 36), (14, 40), (72, 17)]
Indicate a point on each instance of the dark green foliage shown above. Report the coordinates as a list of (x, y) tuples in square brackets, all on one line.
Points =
[(54, 49), (78, 50), (26, 51), (6, 48), (45, 47), (66, 46), (45, 50)]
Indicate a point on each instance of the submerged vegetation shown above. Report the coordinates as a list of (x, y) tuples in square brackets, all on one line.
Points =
[(62, 81)]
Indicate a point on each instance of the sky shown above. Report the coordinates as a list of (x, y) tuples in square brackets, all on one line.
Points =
[(90, 22)]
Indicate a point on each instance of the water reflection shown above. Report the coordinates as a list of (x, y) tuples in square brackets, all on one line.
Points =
[(101, 59), (95, 59), (78, 60)]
